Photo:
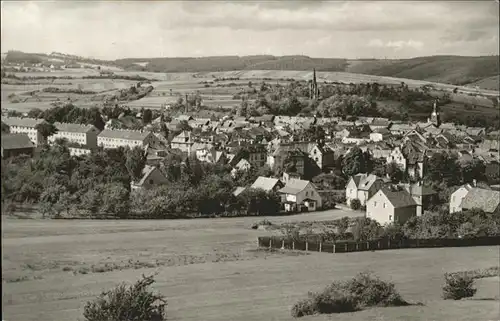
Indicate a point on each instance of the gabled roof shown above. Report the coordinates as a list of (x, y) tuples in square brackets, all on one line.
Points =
[(239, 190), (398, 198), (487, 200), (146, 172), (74, 128), (125, 134), (475, 131), (184, 117), (265, 183), (242, 164), (378, 121), (294, 186), (183, 137), (22, 122), (364, 181), (16, 141), (402, 127)]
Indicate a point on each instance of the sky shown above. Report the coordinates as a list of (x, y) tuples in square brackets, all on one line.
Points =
[(329, 29)]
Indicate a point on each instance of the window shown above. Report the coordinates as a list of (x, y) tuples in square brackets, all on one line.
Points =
[(150, 181), (390, 217), (375, 204), (385, 205)]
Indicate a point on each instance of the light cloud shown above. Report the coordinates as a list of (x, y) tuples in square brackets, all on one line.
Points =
[(353, 29)]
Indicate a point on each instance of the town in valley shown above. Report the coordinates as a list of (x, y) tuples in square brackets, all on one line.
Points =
[(236, 185)]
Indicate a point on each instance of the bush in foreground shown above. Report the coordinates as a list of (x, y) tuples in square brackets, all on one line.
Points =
[(325, 302), (364, 290), (128, 303), (355, 204), (458, 286)]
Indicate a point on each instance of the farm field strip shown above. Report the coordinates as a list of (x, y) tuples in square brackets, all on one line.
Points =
[(249, 286)]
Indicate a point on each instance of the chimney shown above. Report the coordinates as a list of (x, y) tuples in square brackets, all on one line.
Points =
[(474, 182)]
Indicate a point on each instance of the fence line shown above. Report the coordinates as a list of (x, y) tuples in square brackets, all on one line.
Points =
[(383, 244)]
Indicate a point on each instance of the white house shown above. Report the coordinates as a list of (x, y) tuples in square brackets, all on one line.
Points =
[(242, 165), (125, 138), (299, 193), (183, 142), (85, 135), (391, 206), (25, 126), (362, 187), (457, 197)]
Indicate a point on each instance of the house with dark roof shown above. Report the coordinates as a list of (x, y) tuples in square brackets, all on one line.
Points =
[(380, 123), (17, 144), (300, 194), (362, 187), (151, 176), (391, 205), (322, 155), (410, 157), (423, 195)]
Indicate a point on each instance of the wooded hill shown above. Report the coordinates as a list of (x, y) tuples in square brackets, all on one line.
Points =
[(482, 71)]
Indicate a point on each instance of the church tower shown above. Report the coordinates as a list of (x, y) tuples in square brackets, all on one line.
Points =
[(435, 118), (313, 88)]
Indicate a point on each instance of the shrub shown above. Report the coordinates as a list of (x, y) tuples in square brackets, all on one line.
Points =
[(370, 291), (325, 302), (355, 204), (364, 290), (458, 286), (127, 303)]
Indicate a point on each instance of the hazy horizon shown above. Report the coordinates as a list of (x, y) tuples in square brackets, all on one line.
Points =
[(319, 29)]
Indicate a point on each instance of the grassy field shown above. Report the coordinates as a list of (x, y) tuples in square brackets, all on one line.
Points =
[(209, 270), (189, 83)]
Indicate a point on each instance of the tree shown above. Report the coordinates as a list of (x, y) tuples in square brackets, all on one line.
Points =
[(395, 173), (147, 116), (442, 167), (115, 200), (365, 229), (135, 162), (46, 129), (5, 128), (356, 161), (355, 204), (474, 169)]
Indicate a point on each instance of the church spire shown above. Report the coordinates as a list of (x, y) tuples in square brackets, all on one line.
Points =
[(435, 118), (313, 89)]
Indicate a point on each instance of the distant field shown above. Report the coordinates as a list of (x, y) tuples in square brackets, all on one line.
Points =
[(209, 271), (189, 83)]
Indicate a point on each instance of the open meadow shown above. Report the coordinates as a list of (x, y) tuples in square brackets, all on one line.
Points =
[(209, 269), (168, 87)]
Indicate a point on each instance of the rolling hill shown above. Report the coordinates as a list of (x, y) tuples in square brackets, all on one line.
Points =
[(456, 70)]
